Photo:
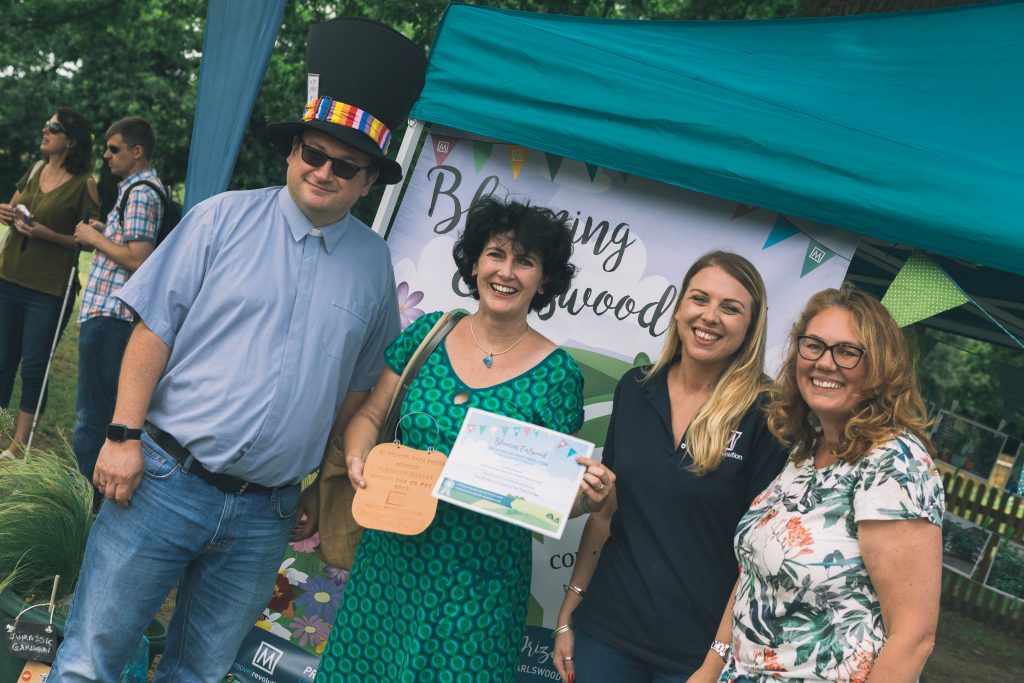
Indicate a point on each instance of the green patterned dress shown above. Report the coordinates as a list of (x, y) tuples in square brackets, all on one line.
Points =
[(450, 603)]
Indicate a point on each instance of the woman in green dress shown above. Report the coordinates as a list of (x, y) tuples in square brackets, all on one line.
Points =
[(450, 604), (37, 252)]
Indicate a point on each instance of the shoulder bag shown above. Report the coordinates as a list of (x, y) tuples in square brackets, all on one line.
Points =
[(339, 532)]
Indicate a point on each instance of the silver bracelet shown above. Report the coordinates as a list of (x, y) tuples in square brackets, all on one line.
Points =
[(575, 589), (565, 628)]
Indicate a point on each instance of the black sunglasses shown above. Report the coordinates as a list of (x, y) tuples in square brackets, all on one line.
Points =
[(345, 170), (846, 356), (113, 149), (54, 127)]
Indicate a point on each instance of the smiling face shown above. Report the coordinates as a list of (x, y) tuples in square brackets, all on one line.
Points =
[(713, 316), (323, 197), (507, 277), (831, 392)]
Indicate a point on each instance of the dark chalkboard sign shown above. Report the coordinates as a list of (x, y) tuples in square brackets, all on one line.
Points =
[(36, 642)]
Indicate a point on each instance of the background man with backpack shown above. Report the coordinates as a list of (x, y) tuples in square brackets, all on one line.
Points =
[(127, 239)]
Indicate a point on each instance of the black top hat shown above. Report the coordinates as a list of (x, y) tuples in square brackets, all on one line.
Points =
[(363, 79)]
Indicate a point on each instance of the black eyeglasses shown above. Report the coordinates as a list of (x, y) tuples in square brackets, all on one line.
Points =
[(53, 127), (846, 356), (345, 170)]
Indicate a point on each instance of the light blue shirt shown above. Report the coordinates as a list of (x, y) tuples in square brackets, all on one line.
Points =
[(268, 328)]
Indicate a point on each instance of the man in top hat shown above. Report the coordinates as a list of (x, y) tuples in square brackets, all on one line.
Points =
[(262, 323)]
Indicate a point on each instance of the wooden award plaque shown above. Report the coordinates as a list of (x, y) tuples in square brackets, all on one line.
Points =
[(397, 496)]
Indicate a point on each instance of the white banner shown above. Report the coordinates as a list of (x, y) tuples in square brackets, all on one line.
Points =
[(634, 240)]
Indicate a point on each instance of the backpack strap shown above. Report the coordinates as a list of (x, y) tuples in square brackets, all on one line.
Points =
[(124, 198)]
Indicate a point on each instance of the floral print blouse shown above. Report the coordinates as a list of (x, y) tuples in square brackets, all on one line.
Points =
[(805, 607)]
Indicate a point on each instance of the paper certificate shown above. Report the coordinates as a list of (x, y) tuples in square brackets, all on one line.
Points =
[(515, 471)]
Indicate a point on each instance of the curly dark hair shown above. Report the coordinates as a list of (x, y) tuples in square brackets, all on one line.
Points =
[(537, 230), (79, 158)]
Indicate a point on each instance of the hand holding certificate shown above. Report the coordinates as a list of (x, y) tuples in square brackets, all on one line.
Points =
[(515, 471)]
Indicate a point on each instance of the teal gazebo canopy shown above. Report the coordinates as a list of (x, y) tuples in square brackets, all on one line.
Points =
[(902, 127)]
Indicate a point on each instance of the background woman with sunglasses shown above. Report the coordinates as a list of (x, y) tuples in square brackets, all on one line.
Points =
[(37, 255), (841, 557)]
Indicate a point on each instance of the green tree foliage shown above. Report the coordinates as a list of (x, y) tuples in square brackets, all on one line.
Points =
[(970, 372), (106, 59)]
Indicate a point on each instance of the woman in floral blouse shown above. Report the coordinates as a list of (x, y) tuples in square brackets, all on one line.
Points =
[(841, 556)]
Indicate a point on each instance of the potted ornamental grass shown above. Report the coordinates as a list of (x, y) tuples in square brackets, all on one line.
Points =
[(45, 516)]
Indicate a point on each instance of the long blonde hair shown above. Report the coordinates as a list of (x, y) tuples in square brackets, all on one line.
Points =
[(891, 403), (741, 382)]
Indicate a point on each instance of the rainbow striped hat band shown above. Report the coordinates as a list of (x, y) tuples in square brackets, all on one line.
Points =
[(332, 111)]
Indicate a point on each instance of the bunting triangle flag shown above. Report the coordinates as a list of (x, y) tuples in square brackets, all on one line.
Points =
[(920, 344), (920, 290), (817, 254), (782, 229), (572, 452), (554, 163), (591, 171), (743, 210), (481, 153), (516, 155), (443, 146)]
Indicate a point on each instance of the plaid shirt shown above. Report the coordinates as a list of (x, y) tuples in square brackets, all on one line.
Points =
[(141, 222)]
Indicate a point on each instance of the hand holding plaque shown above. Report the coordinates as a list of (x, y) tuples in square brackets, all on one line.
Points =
[(397, 496)]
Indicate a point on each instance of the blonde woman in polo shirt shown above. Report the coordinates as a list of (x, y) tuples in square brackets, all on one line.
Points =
[(690, 449)]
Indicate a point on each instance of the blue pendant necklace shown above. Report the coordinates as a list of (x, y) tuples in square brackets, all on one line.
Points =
[(489, 355)]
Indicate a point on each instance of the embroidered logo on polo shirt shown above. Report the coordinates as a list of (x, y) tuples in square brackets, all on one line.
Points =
[(730, 451)]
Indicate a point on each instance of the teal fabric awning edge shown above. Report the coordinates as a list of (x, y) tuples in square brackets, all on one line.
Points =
[(903, 127)]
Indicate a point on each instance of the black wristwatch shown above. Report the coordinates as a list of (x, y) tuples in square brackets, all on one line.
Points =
[(119, 432)]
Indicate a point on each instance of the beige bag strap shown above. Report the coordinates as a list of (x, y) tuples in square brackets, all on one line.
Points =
[(430, 342)]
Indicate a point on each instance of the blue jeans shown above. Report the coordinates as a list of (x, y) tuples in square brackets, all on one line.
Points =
[(224, 550), (596, 662), (28, 323), (101, 343)]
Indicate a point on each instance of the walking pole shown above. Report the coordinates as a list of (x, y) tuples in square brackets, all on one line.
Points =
[(53, 348)]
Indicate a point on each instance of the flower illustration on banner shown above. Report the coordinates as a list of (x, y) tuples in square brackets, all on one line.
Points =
[(320, 597), (310, 630), (294, 576), (284, 593), (307, 545), (407, 301), (268, 622), (338, 576)]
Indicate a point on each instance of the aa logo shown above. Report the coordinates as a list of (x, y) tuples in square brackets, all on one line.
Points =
[(266, 657)]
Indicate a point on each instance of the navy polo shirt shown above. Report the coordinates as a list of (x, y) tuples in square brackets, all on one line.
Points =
[(667, 569)]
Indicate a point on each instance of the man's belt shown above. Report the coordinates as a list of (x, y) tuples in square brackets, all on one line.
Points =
[(225, 482)]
